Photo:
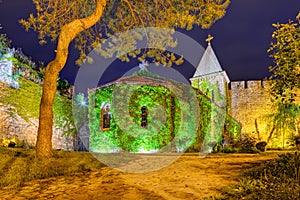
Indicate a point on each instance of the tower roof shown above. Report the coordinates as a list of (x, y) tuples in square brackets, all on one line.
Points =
[(209, 63)]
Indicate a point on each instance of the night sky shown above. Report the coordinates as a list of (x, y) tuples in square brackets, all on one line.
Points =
[(241, 38)]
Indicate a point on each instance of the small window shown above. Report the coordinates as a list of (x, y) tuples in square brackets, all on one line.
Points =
[(262, 84), (106, 121), (144, 122), (212, 95), (229, 86), (246, 84), (105, 117)]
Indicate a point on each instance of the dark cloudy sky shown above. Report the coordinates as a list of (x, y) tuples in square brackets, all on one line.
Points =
[(241, 41)]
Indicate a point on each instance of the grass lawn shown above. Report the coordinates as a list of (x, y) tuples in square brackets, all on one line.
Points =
[(20, 165)]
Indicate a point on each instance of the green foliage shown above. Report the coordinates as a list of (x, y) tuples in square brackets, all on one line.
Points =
[(285, 52), (26, 102), (219, 122), (276, 179), (63, 117), (213, 124), (211, 90), (23, 61), (26, 99), (121, 16), (154, 137), (287, 166), (166, 119), (25, 67), (284, 122), (285, 79), (245, 144), (62, 86), (4, 44), (232, 129), (240, 144), (229, 149)]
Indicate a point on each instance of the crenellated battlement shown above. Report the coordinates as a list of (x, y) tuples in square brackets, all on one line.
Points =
[(249, 85)]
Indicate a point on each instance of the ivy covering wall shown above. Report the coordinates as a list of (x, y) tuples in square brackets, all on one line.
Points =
[(164, 119), (172, 122)]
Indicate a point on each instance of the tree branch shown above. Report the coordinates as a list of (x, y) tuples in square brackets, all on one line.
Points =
[(71, 30)]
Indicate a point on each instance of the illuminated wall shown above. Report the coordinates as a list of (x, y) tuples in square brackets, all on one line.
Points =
[(7, 75), (128, 131), (251, 104)]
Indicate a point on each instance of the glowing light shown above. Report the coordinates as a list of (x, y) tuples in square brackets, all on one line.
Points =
[(81, 100)]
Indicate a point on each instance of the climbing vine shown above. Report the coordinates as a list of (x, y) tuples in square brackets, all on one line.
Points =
[(170, 120)]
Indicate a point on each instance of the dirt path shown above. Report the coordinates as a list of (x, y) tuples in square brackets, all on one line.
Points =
[(189, 177)]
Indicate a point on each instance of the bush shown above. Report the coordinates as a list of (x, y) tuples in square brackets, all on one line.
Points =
[(18, 143), (228, 149), (246, 144), (261, 146), (295, 142), (276, 179)]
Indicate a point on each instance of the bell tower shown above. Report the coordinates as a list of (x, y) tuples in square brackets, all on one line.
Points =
[(210, 78)]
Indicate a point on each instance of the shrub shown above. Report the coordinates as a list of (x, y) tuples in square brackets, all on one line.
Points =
[(295, 142), (261, 146), (246, 144), (228, 149), (276, 179), (4, 142)]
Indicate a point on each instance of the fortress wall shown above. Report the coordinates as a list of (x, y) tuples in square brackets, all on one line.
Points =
[(250, 105), (12, 126)]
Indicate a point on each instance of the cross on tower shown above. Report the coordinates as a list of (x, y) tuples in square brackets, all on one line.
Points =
[(209, 38), (143, 65)]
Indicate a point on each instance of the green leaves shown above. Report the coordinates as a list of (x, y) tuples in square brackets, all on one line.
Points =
[(285, 85), (4, 43), (121, 16), (285, 50)]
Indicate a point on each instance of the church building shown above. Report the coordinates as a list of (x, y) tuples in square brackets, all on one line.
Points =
[(153, 119)]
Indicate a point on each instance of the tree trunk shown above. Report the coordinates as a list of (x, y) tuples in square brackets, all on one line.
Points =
[(257, 130), (271, 134), (67, 34)]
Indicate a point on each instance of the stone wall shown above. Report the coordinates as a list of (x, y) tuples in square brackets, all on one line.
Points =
[(12, 127), (251, 104)]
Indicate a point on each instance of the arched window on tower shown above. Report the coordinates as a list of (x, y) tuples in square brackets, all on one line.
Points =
[(105, 117), (144, 121)]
